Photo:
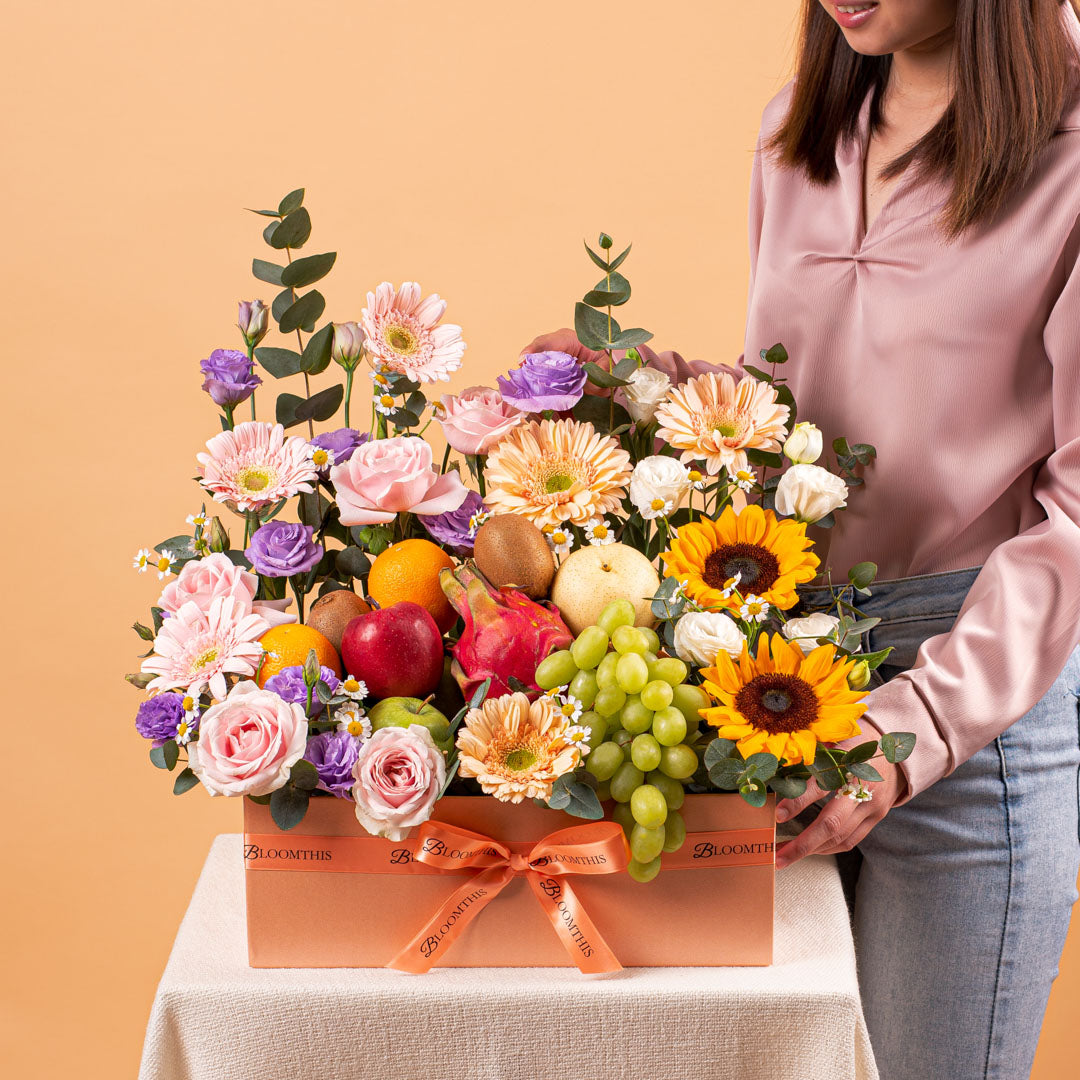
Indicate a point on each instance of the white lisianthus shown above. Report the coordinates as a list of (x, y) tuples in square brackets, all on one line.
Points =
[(805, 631), (809, 492), (644, 391), (658, 480), (804, 444), (700, 635)]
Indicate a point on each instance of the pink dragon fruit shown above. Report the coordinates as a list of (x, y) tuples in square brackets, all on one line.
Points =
[(506, 634)]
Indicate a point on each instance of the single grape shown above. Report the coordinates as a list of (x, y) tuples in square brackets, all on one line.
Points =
[(631, 673), (688, 700), (643, 872), (649, 658), (604, 760), (597, 726), (629, 639), (669, 668), (675, 831), (583, 687), (621, 815), (635, 717), (622, 739), (589, 648), (627, 779), (647, 844), (645, 753), (557, 670), (605, 673), (652, 637), (617, 613), (648, 806), (656, 695), (673, 791), (678, 762), (609, 701), (669, 726)]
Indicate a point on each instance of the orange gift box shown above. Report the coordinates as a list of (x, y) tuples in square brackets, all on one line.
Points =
[(309, 903)]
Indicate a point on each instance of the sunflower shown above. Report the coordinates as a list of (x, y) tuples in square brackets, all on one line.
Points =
[(556, 471), (784, 703), (767, 555), (517, 749)]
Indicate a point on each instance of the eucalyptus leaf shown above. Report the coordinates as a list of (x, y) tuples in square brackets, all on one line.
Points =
[(157, 756), (620, 259), (718, 750), (864, 771), (575, 798), (788, 787), (185, 781), (624, 339), (763, 376), (268, 232), (267, 271), (304, 775), (761, 766), (307, 270), (598, 259), (897, 745), (293, 201), (288, 805), (279, 362), (303, 312), (316, 356), (293, 231), (592, 326), (861, 575), (181, 547), (862, 752), (726, 773), (480, 693), (285, 409), (352, 561), (775, 355), (599, 377), (754, 792), (323, 405)]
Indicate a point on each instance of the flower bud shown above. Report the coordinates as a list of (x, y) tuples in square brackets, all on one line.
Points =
[(312, 668), (348, 344), (252, 321), (803, 445), (859, 676), (219, 538)]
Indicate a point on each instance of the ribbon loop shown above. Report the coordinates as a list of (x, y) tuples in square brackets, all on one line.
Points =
[(597, 848)]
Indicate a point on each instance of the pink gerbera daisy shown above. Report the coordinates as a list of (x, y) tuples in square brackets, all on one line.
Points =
[(255, 465), (402, 333), (194, 650)]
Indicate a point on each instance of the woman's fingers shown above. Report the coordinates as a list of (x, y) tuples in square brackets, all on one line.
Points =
[(830, 831), (789, 808)]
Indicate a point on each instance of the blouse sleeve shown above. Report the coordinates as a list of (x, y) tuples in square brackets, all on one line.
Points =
[(1021, 618)]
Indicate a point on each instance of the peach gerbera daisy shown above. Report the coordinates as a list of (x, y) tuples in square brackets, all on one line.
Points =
[(555, 471), (196, 649), (517, 749), (255, 465), (784, 703), (715, 418), (402, 333)]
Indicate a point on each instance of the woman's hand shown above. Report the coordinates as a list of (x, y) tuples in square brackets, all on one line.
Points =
[(843, 822)]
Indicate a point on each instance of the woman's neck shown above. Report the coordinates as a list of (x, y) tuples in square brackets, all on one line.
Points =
[(922, 77)]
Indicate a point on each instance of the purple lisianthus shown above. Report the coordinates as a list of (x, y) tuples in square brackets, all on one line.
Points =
[(334, 754), (340, 444), (289, 685), (545, 380), (230, 377), (159, 718), (453, 529), (282, 549)]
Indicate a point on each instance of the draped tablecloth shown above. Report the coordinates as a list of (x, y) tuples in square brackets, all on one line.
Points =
[(801, 1019)]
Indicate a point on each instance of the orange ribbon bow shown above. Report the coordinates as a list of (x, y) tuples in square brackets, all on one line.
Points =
[(596, 848)]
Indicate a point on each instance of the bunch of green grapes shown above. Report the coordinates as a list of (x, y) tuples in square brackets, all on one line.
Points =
[(642, 715)]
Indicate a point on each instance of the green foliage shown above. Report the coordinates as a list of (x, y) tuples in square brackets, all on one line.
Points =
[(302, 314), (279, 362), (293, 230), (788, 787), (267, 271), (285, 409), (288, 805), (777, 354), (576, 798), (897, 745), (293, 201), (165, 756), (862, 574), (308, 270), (316, 356), (352, 561), (321, 406), (185, 781)]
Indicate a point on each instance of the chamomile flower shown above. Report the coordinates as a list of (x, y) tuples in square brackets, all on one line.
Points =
[(384, 404), (560, 540), (351, 718), (321, 457), (578, 736), (598, 532), (353, 688), (745, 479), (143, 558), (855, 790), (380, 378), (754, 609), (656, 508), (164, 564), (201, 520), (731, 585), (477, 520), (566, 703), (697, 480)]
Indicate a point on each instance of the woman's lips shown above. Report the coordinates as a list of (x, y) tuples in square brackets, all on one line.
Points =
[(851, 16)]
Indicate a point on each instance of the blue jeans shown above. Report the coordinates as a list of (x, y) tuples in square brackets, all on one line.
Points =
[(964, 893)]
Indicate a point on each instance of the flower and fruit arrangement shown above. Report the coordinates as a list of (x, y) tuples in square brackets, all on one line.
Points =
[(589, 598)]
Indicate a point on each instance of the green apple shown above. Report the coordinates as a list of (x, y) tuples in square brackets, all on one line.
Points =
[(403, 711)]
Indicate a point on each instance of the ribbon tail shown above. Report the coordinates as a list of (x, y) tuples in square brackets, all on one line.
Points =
[(576, 930), (442, 930)]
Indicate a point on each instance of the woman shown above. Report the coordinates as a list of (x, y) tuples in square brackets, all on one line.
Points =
[(914, 244)]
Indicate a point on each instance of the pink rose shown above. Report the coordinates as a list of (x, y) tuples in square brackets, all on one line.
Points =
[(216, 577), (476, 419), (399, 774), (385, 477), (248, 742)]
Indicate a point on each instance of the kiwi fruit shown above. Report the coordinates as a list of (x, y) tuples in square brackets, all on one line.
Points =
[(510, 550), (332, 612)]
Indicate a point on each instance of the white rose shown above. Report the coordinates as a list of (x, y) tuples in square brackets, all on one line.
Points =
[(658, 484), (806, 630), (809, 492), (645, 389), (700, 635), (803, 445)]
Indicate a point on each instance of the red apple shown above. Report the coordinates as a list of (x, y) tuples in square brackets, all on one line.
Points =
[(397, 651)]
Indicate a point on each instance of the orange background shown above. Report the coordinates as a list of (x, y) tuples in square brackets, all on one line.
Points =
[(469, 146)]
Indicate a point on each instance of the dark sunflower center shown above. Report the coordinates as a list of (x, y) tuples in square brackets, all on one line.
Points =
[(759, 567), (778, 703)]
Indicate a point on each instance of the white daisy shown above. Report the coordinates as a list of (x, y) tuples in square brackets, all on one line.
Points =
[(559, 539), (380, 378), (351, 718), (163, 564), (477, 520), (598, 532), (731, 586), (745, 479), (353, 688), (855, 790), (754, 609), (143, 558), (657, 508), (578, 735), (384, 404), (200, 520), (320, 457), (697, 480)]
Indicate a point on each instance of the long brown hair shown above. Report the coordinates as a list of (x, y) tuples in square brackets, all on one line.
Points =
[(1015, 72)]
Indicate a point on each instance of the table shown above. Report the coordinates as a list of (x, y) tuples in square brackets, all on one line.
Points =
[(801, 1019)]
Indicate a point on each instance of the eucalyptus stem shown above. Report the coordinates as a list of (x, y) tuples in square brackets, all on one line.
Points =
[(300, 343)]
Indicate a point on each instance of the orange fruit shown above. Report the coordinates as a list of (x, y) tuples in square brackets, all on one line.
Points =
[(410, 571), (288, 645)]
